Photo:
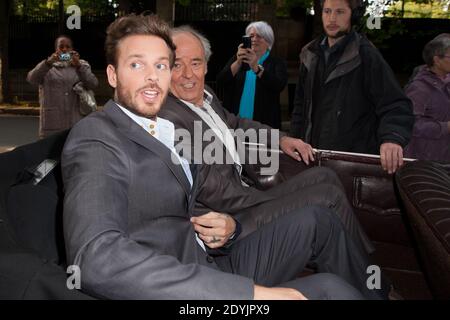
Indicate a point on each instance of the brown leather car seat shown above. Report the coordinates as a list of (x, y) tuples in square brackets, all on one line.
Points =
[(425, 190)]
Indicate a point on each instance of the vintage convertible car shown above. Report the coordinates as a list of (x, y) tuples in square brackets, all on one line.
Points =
[(407, 216)]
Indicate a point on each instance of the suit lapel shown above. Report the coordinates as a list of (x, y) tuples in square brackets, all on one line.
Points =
[(134, 132), (196, 117), (183, 105), (219, 110), (195, 178)]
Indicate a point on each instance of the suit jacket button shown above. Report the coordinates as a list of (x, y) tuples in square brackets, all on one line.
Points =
[(209, 259)]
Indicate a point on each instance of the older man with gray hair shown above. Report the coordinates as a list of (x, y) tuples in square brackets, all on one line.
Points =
[(236, 213), (234, 187)]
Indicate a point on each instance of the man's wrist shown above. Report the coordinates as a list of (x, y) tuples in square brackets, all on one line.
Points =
[(283, 138), (235, 235)]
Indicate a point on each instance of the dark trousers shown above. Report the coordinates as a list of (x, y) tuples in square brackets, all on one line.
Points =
[(278, 252), (318, 186)]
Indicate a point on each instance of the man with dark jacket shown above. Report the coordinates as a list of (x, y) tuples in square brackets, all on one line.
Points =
[(347, 98), (232, 187)]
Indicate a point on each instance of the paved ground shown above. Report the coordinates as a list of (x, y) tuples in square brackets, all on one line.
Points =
[(17, 130)]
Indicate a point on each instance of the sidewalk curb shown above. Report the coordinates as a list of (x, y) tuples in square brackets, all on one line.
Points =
[(19, 111)]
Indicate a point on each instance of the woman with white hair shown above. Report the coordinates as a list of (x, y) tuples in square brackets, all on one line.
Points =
[(254, 92), (430, 93)]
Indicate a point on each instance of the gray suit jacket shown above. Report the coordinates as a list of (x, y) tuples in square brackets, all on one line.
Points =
[(126, 217)]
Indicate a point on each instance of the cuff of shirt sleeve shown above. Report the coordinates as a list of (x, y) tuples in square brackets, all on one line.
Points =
[(226, 248), (235, 235)]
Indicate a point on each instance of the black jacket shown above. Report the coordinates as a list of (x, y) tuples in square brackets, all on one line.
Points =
[(221, 189), (268, 89), (366, 106)]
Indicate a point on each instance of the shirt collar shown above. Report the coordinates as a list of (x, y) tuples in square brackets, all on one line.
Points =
[(207, 98), (161, 129), (339, 44)]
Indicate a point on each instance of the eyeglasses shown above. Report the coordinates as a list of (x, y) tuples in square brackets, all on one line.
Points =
[(255, 36)]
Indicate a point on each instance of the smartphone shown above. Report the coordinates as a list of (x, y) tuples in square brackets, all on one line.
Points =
[(247, 42)]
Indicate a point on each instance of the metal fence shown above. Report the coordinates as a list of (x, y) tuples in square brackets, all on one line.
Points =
[(225, 10)]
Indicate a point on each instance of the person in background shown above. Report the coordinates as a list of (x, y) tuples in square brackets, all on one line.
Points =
[(347, 97), (418, 68), (255, 93), (430, 94), (56, 76)]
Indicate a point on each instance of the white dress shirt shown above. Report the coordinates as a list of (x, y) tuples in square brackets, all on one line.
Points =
[(164, 131), (220, 128)]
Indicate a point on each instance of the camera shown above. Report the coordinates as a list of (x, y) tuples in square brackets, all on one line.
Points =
[(65, 56)]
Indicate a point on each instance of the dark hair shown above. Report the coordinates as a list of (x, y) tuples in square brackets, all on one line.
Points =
[(63, 36), (353, 4), (133, 24), (358, 8), (436, 47)]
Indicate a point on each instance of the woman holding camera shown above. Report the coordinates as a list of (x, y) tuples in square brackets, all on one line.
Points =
[(253, 79), (56, 76)]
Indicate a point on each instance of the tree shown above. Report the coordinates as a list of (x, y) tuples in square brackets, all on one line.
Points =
[(5, 10)]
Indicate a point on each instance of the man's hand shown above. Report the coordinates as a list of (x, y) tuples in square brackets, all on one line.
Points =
[(214, 228), (291, 146), (264, 293), (391, 156)]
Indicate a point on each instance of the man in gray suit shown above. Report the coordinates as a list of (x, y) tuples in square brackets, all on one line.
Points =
[(128, 219), (193, 107)]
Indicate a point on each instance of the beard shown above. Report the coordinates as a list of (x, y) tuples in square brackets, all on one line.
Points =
[(341, 33), (125, 98)]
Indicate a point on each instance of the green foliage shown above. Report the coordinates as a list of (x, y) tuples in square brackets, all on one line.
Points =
[(50, 7), (419, 9), (34, 7)]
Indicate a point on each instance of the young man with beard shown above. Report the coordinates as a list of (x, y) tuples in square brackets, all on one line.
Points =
[(347, 97), (127, 217)]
